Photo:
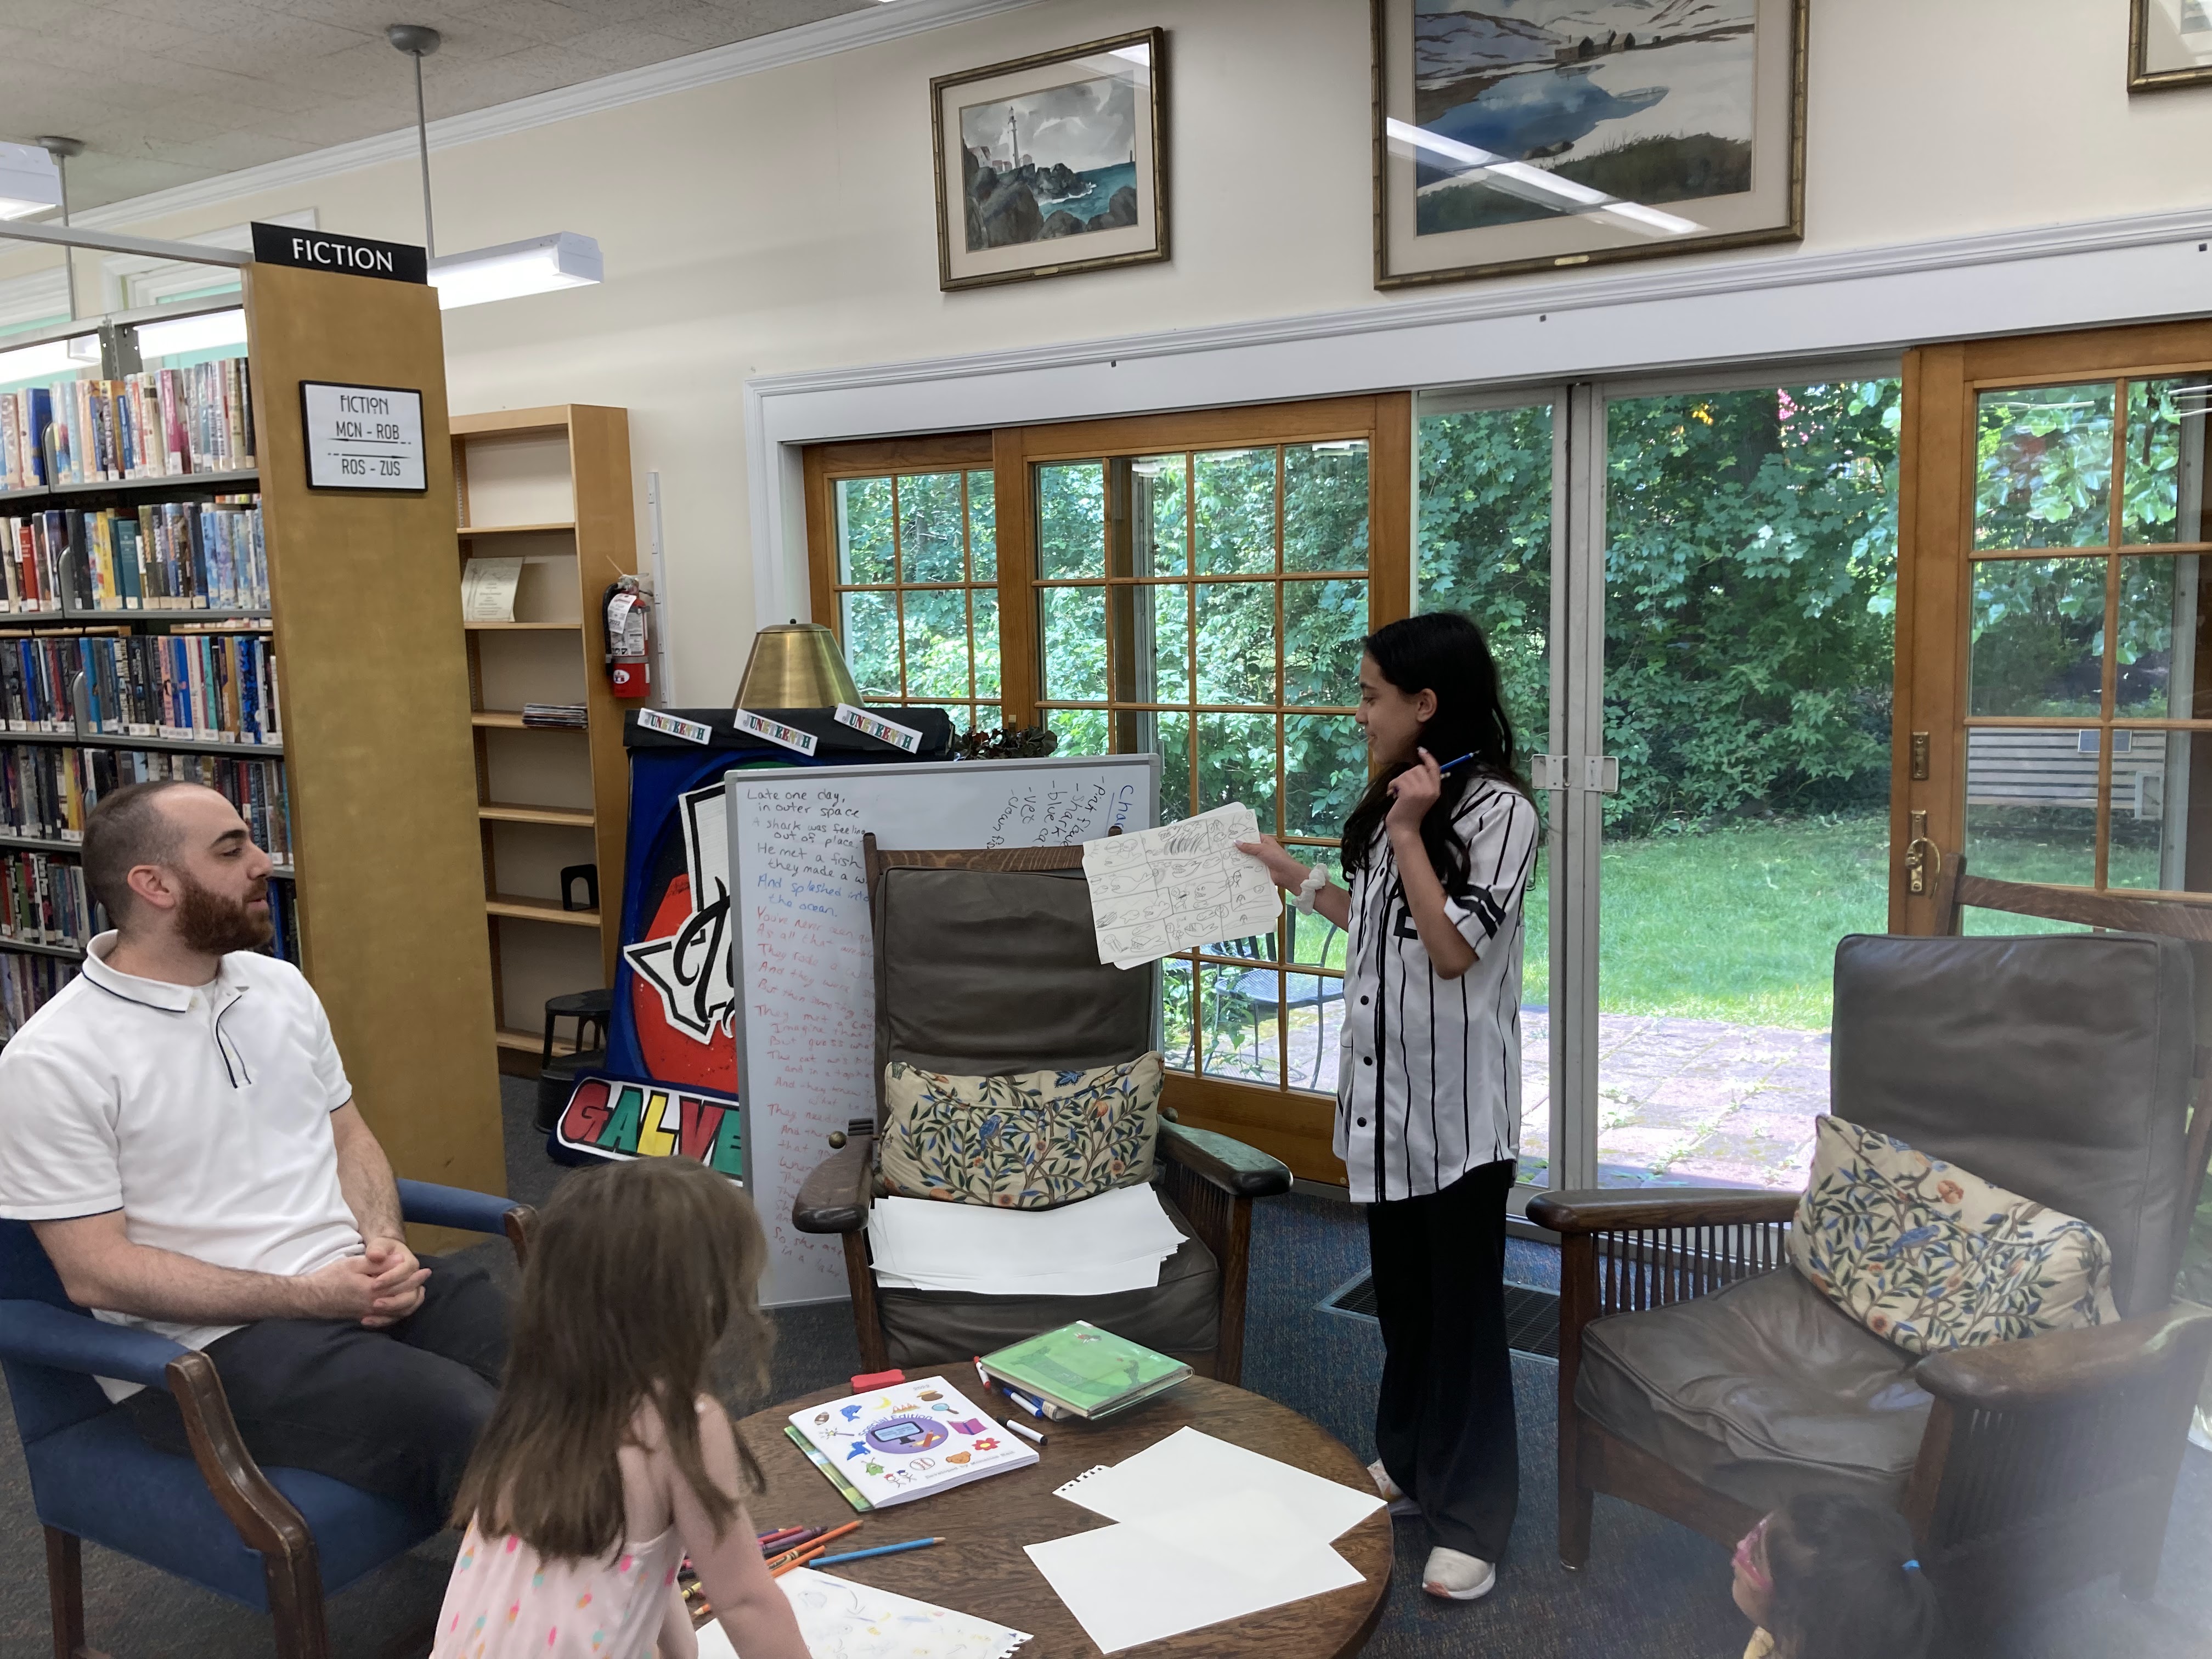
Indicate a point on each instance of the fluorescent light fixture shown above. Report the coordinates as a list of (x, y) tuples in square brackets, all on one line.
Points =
[(52, 360), (205, 332), (1534, 184), (29, 182), (539, 266)]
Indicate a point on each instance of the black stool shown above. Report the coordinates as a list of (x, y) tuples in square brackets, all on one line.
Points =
[(591, 1010)]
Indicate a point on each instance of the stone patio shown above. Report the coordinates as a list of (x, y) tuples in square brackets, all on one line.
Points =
[(1680, 1101)]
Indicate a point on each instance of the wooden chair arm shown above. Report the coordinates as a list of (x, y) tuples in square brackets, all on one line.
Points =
[(265, 1518), (1638, 1209), (2066, 1366), (1240, 1171), (834, 1197)]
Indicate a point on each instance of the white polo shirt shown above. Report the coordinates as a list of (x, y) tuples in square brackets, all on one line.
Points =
[(201, 1112), (1429, 1079)]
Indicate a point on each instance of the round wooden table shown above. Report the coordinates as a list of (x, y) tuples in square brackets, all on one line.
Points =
[(980, 1567)]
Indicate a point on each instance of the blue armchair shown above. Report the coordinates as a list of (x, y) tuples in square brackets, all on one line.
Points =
[(280, 1539)]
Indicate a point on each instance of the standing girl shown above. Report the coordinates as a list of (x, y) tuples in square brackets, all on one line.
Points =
[(1428, 1100), (607, 1461)]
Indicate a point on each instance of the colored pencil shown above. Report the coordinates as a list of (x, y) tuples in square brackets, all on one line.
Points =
[(816, 1542), (880, 1549)]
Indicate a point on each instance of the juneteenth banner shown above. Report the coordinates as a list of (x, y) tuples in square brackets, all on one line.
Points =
[(670, 1086)]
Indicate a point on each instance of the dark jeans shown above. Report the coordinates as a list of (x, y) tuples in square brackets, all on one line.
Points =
[(1443, 1420), (395, 1411)]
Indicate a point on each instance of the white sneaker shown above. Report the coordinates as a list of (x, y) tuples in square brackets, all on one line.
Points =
[(1458, 1577), (1399, 1502)]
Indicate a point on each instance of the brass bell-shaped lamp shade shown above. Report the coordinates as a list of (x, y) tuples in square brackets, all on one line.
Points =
[(796, 666)]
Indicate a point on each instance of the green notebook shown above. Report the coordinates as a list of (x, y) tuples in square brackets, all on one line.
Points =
[(1085, 1371)]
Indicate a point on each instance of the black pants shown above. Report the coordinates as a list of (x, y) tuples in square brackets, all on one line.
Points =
[(395, 1411), (1443, 1421)]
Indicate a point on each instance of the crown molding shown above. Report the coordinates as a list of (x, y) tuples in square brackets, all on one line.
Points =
[(872, 26), (1547, 295)]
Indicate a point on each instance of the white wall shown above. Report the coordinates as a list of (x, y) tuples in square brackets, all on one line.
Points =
[(783, 221)]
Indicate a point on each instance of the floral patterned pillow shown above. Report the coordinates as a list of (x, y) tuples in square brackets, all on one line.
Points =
[(1024, 1141), (1931, 1257)]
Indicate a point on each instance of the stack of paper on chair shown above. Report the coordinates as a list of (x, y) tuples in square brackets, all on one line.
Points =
[(840, 1619), (1114, 1241), (1166, 890), (1209, 1531)]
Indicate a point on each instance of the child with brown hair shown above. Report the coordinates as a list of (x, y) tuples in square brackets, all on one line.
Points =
[(1830, 1576), (606, 1460)]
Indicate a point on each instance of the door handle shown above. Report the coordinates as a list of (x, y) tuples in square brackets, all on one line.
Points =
[(1923, 860)]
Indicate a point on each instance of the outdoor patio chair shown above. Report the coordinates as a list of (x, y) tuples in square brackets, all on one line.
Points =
[(1701, 1376), (987, 963), (279, 1540)]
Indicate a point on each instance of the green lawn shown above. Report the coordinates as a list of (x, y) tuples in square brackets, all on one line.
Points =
[(1737, 924)]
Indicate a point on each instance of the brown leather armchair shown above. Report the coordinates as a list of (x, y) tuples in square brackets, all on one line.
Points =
[(1701, 1376), (987, 963)]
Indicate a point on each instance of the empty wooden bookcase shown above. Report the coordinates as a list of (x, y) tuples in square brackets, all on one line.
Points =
[(551, 487)]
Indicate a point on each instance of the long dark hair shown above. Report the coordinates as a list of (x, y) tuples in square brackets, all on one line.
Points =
[(1842, 1589), (1442, 652), (638, 1271)]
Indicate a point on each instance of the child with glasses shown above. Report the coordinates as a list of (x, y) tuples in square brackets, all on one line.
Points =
[(1828, 1576)]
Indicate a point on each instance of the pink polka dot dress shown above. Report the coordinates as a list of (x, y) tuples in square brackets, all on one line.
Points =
[(506, 1601)]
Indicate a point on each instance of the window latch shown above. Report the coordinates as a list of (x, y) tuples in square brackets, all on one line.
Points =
[(1599, 773)]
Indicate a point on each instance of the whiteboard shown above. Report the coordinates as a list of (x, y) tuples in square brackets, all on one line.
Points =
[(806, 958)]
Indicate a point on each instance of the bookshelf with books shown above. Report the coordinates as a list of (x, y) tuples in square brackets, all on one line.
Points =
[(177, 601), (550, 487)]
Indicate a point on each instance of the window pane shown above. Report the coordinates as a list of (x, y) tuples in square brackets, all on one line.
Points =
[(1074, 643), (1162, 540), (2032, 803), (1171, 736), (870, 641), (1325, 506), (1485, 528), (1313, 940), (2162, 670), (988, 717), (1323, 623), (864, 530), (1236, 643), (1175, 1024), (1317, 1019), (1081, 731), (983, 528), (937, 643), (2038, 637), (1324, 772), (986, 603), (929, 528), (2163, 498), (1168, 645), (1235, 490), (2158, 839), (1238, 1007), (2043, 461), (1072, 519), (1237, 762)]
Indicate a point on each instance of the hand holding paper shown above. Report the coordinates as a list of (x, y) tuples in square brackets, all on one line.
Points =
[(1166, 889)]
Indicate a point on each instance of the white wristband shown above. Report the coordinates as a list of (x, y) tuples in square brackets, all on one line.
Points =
[(1316, 878)]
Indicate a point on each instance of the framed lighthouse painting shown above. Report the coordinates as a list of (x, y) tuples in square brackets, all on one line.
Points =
[(1053, 164)]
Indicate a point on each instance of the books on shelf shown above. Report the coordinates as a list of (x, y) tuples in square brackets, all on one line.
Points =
[(1081, 1370), (45, 789), (43, 900), (213, 687), (27, 985), (159, 556), (160, 424), (555, 714), (893, 1446)]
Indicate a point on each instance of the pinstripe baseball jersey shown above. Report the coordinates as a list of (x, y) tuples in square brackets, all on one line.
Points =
[(1428, 1069)]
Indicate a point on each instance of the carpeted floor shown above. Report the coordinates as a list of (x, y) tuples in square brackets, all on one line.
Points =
[(1652, 1590)]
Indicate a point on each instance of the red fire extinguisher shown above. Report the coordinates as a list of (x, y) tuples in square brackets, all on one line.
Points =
[(626, 610)]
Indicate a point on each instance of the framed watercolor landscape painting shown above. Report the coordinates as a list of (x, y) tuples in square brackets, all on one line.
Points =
[(1527, 135), (1054, 164)]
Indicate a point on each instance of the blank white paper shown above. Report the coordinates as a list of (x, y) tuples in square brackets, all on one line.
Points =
[(1194, 1564), (1114, 1241), (1160, 1479)]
